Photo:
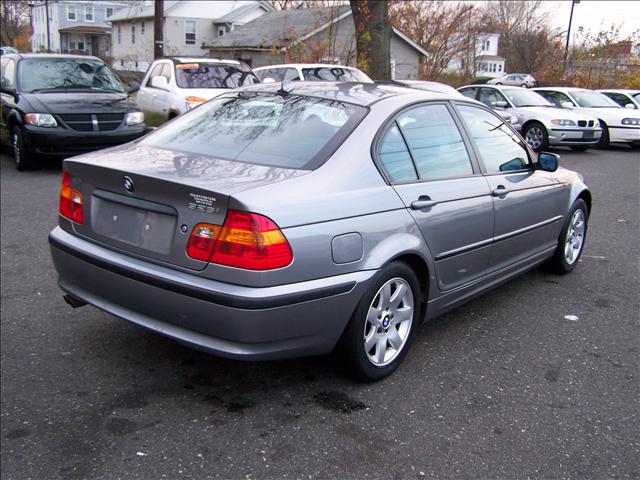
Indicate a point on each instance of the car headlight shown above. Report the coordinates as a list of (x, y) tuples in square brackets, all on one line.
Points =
[(40, 120), (134, 118), (631, 121), (192, 101), (563, 122)]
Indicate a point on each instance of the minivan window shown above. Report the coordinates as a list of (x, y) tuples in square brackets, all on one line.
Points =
[(435, 143), (499, 146), (334, 74), (65, 74), (281, 131), (213, 75)]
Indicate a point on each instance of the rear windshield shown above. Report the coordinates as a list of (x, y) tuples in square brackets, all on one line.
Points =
[(213, 75), (35, 74), (281, 131), (334, 74)]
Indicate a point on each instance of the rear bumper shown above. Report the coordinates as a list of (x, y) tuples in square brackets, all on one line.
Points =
[(624, 135), (300, 319), (62, 142), (574, 136)]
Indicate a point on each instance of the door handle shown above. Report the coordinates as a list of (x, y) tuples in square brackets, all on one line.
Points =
[(500, 191), (422, 203)]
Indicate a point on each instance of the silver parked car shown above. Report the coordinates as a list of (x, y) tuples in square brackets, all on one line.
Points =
[(516, 79), (542, 124), (286, 220)]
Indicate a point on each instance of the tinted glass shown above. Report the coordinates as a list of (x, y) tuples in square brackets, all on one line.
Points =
[(636, 96), (282, 131), (521, 97), (469, 92), (499, 147), (394, 157), (619, 98), (213, 75), (66, 74), (334, 74), (435, 143), (590, 99), (556, 98), (490, 97)]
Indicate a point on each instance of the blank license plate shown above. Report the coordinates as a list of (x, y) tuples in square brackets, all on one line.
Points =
[(588, 134), (134, 226)]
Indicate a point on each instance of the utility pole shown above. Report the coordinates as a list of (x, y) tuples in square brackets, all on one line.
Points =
[(566, 47), (158, 29), (46, 11)]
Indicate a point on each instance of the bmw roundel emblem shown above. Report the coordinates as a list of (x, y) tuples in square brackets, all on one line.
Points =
[(127, 183)]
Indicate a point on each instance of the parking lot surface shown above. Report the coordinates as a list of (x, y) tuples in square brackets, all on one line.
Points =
[(504, 387)]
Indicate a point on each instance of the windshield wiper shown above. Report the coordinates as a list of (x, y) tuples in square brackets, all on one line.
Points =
[(74, 87)]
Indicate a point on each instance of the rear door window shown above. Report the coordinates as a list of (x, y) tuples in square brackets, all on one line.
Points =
[(394, 157)]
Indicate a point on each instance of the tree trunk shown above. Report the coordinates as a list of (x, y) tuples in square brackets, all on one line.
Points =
[(158, 29), (373, 37)]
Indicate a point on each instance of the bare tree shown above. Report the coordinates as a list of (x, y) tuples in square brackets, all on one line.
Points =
[(14, 20), (373, 37), (437, 27)]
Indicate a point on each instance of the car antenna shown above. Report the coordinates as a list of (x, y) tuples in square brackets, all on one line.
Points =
[(285, 88)]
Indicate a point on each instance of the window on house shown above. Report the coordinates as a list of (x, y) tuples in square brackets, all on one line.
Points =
[(109, 12), (80, 44), (190, 28), (71, 12), (221, 31), (88, 13), (133, 34), (142, 27), (119, 34), (499, 67), (487, 44)]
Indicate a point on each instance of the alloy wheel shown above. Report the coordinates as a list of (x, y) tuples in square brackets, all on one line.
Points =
[(575, 237), (388, 322), (534, 137)]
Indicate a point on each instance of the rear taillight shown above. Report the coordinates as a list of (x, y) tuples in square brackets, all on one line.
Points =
[(246, 240), (70, 200)]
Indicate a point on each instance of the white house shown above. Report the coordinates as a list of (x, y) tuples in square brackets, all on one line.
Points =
[(74, 26), (484, 61), (188, 25)]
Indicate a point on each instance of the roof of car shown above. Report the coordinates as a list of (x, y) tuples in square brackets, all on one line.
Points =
[(360, 93), (201, 60), (305, 65), (497, 87), (619, 90), (562, 89), (55, 55)]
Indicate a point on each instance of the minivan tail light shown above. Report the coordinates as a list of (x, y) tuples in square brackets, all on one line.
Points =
[(70, 200), (246, 240)]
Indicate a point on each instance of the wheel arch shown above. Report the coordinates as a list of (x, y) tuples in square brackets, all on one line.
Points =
[(586, 196)]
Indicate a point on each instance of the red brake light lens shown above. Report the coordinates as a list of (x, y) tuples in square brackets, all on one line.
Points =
[(70, 201), (246, 240)]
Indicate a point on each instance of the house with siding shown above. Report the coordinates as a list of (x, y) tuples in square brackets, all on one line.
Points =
[(74, 26), (481, 59), (325, 35), (189, 25)]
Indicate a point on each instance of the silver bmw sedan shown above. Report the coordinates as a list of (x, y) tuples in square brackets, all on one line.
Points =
[(295, 219)]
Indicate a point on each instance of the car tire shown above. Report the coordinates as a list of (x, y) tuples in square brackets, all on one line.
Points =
[(388, 334), (22, 157), (536, 136), (604, 139), (580, 148), (571, 240), (524, 85), (498, 83)]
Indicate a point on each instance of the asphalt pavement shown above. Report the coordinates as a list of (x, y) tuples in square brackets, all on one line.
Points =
[(504, 387)]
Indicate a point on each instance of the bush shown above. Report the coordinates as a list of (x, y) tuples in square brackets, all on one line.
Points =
[(126, 76)]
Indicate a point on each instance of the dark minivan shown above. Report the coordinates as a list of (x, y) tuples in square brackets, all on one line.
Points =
[(63, 105)]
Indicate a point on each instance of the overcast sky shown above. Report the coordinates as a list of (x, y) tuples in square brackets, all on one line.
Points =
[(592, 14)]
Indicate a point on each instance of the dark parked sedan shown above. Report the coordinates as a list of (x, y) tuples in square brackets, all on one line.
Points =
[(63, 105), (291, 219)]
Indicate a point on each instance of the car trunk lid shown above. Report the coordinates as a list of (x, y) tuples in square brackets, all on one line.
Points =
[(145, 201)]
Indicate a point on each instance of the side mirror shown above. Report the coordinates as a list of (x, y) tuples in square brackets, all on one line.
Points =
[(548, 162), (160, 82), (500, 104), (566, 104), (268, 80), (134, 86), (631, 106)]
